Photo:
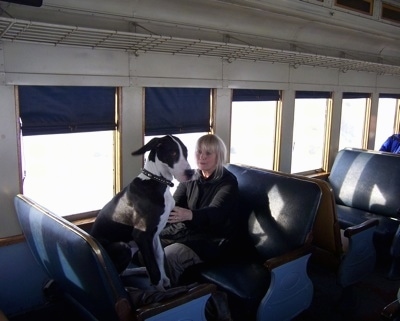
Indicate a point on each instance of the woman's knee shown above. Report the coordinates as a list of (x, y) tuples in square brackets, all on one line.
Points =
[(181, 254), (179, 257)]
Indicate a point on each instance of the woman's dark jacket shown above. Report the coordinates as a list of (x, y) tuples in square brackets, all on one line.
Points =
[(214, 204)]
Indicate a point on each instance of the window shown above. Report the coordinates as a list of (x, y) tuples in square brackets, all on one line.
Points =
[(309, 130), (385, 124), (253, 127), (353, 122), (182, 112), (390, 12), (364, 6), (68, 146)]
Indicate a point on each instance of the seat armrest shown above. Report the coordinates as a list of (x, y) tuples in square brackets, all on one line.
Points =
[(359, 255), (353, 230), (201, 290), (290, 286), (391, 311), (287, 257), (3, 316)]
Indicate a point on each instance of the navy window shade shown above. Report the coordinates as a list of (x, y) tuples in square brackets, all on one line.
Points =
[(395, 96), (350, 95), (255, 95), (312, 94), (62, 109), (177, 110)]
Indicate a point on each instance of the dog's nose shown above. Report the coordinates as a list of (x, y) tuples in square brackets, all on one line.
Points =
[(189, 173)]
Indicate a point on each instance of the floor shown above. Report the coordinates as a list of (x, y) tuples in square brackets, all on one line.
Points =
[(58, 311), (363, 303)]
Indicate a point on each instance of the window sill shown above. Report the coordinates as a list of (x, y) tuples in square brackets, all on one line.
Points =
[(83, 220)]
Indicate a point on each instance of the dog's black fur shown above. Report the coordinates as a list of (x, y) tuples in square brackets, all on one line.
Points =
[(140, 211)]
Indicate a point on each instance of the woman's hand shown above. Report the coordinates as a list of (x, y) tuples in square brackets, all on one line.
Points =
[(180, 214)]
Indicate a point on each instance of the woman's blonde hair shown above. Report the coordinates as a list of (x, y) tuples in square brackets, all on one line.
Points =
[(213, 144)]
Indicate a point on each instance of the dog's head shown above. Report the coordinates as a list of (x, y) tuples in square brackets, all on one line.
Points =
[(168, 156)]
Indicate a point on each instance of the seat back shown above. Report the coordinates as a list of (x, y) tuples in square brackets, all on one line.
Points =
[(367, 180), (327, 238), (280, 209), (75, 261)]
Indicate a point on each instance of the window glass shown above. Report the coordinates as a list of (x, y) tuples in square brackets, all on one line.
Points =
[(253, 127), (309, 132), (385, 120), (69, 173), (352, 123)]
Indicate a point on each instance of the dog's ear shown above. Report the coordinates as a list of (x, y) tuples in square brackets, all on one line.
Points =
[(149, 146)]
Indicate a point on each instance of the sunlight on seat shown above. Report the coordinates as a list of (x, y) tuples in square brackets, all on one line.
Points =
[(352, 177), (67, 268), (278, 204), (35, 223), (257, 230), (377, 197)]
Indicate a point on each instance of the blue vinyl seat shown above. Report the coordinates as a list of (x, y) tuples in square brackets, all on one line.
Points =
[(270, 281), (81, 268), (366, 185)]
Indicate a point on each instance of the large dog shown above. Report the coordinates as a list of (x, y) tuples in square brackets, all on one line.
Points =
[(140, 211)]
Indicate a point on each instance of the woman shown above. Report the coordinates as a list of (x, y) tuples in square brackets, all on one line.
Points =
[(203, 222)]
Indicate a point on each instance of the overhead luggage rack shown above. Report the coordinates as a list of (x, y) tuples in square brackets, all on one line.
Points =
[(63, 35)]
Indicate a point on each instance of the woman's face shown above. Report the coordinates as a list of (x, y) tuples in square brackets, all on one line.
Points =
[(206, 161)]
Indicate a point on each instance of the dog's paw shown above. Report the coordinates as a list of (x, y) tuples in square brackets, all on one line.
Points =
[(163, 284), (166, 282), (160, 287)]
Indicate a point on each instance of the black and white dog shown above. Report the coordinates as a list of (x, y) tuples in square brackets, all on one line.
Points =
[(140, 211)]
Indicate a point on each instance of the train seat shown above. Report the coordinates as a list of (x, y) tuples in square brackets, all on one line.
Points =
[(278, 212), (349, 252), (366, 185), (85, 274), (391, 312)]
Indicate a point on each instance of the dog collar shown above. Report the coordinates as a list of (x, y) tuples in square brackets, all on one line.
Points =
[(157, 178)]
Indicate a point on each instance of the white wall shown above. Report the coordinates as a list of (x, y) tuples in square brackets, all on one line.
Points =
[(9, 181)]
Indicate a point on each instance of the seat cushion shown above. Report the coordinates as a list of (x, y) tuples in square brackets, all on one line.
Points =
[(244, 282), (248, 281)]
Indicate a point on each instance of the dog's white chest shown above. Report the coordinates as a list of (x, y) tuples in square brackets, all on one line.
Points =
[(169, 205)]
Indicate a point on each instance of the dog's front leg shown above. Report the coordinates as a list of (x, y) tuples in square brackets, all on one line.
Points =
[(146, 246), (159, 255)]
